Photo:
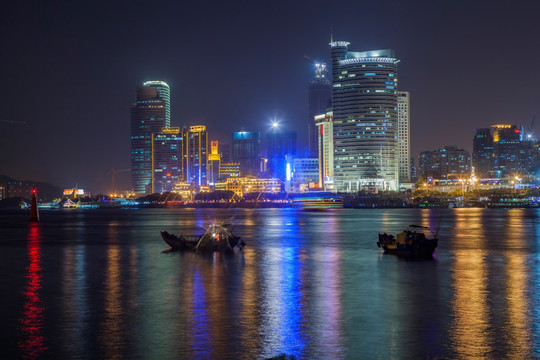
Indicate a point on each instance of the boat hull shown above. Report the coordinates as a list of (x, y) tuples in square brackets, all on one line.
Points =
[(414, 247), (204, 244)]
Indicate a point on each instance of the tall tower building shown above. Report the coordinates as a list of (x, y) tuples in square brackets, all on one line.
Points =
[(214, 161), (147, 118), (482, 157), (404, 145), (246, 150), (165, 93), (319, 99), (326, 150), (280, 144), (364, 100), (196, 155), (167, 150)]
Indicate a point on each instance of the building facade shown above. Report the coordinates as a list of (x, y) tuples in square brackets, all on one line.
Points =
[(246, 150), (319, 99), (249, 184), (196, 155), (305, 174), (482, 156), (364, 100), (167, 150), (165, 94), (325, 139), (447, 163), (214, 160), (403, 136), (147, 118), (279, 144)]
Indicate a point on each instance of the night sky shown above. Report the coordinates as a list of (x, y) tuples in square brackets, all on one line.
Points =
[(69, 71)]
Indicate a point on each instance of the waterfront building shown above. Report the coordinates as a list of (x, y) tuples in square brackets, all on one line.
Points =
[(147, 118), (404, 145), (167, 150), (229, 170), (319, 99), (326, 150), (511, 155), (482, 156), (246, 150), (305, 174), (279, 144), (214, 160), (225, 152), (196, 155), (164, 93), (424, 162), (248, 184), (364, 101), (447, 163)]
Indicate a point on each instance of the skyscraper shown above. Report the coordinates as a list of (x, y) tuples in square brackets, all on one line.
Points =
[(214, 160), (364, 100), (246, 150), (165, 93), (196, 155), (147, 118), (279, 144), (167, 150), (404, 146), (482, 157), (326, 150), (319, 99)]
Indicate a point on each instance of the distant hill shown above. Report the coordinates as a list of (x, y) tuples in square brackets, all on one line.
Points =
[(47, 192)]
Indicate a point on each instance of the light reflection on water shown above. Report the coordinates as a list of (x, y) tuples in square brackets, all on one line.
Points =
[(311, 284)]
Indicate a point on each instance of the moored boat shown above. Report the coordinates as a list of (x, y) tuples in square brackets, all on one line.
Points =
[(217, 238), (411, 243)]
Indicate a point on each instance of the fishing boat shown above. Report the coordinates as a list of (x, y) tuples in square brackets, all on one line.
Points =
[(411, 243), (217, 238)]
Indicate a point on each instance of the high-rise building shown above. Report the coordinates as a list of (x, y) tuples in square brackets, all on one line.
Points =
[(165, 93), (305, 174), (196, 155), (326, 150), (447, 163), (214, 160), (279, 144), (167, 150), (246, 150), (225, 152), (404, 146), (147, 118), (364, 100), (319, 99), (482, 157)]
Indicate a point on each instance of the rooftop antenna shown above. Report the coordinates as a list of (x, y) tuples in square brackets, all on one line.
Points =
[(331, 35)]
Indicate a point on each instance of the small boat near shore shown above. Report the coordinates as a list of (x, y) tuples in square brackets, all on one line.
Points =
[(217, 238), (411, 243)]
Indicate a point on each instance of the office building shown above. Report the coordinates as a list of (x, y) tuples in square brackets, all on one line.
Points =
[(164, 93), (225, 152), (229, 170), (246, 150), (279, 144), (319, 99), (364, 100), (248, 184), (196, 155), (447, 163), (305, 175), (404, 146), (167, 150), (147, 118), (214, 160), (326, 150), (482, 156)]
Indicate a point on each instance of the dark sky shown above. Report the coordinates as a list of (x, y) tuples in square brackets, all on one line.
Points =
[(69, 70)]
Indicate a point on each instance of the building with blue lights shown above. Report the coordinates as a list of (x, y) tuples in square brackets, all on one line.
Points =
[(482, 156), (167, 150), (147, 118), (196, 155), (447, 163), (246, 150), (279, 145), (365, 109), (164, 93)]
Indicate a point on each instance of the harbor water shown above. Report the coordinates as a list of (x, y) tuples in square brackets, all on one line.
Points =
[(99, 283)]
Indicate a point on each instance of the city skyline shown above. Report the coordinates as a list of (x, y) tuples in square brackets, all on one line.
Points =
[(69, 83)]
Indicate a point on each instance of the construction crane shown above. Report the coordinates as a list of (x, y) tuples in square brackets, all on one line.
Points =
[(113, 173)]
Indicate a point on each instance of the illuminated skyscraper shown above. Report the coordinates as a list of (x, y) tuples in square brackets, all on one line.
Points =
[(165, 93), (196, 155), (147, 118), (364, 100), (246, 150), (326, 150), (167, 150), (319, 99), (279, 144), (214, 160), (404, 146), (482, 157)]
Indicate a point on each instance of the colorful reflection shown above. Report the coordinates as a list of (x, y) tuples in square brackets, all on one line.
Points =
[(470, 330), (32, 342)]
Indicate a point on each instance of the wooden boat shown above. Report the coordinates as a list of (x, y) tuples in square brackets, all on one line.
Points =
[(411, 243), (217, 238)]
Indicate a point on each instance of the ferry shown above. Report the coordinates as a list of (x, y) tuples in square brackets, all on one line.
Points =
[(317, 200)]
